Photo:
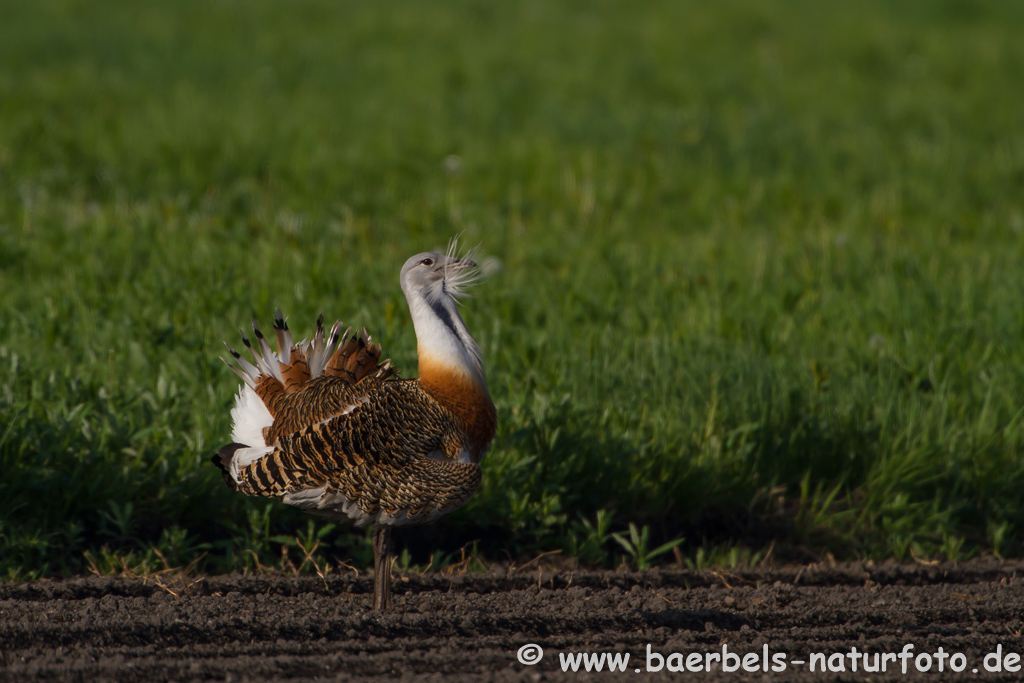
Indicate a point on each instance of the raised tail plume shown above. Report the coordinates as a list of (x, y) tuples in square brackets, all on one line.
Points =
[(271, 379)]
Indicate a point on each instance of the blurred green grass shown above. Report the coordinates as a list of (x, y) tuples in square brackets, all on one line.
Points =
[(761, 279)]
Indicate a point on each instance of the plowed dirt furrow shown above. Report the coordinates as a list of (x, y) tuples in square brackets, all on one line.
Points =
[(471, 627)]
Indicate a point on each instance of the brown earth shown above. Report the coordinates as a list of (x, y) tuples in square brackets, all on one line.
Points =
[(259, 628)]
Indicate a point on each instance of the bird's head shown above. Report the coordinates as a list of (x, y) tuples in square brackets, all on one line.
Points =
[(437, 277), (432, 283)]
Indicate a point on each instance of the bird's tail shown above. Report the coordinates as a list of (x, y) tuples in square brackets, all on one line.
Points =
[(273, 376), (271, 379), (222, 459)]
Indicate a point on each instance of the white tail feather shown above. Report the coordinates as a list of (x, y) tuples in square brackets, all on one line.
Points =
[(248, 371), (284, 338), (246, 456), (322, 348), (249, 417), (266, 361)]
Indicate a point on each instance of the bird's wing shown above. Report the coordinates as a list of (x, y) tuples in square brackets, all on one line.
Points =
[(324, 398), (389, 459)]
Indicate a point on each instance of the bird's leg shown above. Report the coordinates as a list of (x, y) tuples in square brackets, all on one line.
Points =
[(382, 568)]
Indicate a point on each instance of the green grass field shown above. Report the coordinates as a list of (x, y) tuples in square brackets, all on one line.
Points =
[(762, 281)]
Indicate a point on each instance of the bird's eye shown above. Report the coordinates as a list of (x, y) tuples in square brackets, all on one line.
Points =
[(427, 262)]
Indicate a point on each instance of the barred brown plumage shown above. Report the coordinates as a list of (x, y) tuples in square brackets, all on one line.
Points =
[(326, 426)]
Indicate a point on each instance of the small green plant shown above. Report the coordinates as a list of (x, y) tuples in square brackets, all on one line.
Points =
[(402, 562), (817, 511), (997, 536), (724, 557), (469, 561), (251, 540), (307, 544), (107, 562), (178, 548), (636, 546), (587, 541), (955, 548), (440, 562), (357, 546), (117, 521)]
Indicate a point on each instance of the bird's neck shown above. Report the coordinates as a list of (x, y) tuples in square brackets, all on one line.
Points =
[(450, 368)]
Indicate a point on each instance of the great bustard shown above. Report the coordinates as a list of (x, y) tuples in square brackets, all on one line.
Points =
[(332, 430)]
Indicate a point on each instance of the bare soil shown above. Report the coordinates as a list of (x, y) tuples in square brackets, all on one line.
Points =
[(261, 628)]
